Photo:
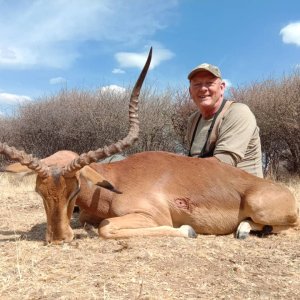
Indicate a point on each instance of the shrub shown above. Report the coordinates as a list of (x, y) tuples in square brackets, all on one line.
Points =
[(86, 120), (82, 121), (276, 105)]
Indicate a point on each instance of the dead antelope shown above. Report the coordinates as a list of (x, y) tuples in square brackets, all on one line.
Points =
[(156, 193)]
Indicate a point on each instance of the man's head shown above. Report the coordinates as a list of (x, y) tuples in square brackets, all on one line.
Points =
[(207, 88)]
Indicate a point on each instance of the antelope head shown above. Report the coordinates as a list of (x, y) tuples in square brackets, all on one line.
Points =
[(59, 185)]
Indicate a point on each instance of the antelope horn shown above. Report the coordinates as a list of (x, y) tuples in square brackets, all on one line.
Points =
[(92, 156), (25, 159)]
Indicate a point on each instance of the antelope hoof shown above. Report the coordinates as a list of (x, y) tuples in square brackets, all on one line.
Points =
[(188, 231), (267, 229), (243, 231)]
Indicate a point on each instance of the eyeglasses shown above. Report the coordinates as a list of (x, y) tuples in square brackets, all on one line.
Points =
[(207, 84)]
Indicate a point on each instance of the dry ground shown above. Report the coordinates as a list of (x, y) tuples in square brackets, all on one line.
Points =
[(209, 267)]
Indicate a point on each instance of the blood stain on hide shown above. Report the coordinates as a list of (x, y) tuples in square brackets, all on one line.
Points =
[(183, 203)]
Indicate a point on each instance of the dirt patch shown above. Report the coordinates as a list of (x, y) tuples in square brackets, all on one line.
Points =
[(208, 267)]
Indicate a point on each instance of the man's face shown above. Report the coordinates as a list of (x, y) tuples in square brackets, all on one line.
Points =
[(206, 90)]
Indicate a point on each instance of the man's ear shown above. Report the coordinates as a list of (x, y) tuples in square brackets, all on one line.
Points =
[(223, 83), (97, 179)]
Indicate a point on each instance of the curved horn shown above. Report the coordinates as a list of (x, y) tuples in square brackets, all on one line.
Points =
[(92, 156), (23, 158)]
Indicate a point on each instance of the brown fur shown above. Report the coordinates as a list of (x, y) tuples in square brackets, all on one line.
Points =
[(154, 193), (164, 189)]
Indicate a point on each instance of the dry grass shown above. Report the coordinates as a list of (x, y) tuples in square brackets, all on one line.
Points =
[(208, 267)]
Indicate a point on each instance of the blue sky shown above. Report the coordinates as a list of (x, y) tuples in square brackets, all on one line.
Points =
[(88, 44)]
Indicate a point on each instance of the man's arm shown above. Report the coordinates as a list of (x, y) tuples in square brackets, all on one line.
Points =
[(235, 134)]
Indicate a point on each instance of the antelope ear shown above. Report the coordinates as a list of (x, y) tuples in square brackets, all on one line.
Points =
[(18, 168), (97, 179)]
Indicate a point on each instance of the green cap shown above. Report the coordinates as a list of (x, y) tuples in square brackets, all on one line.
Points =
[(205, 67)]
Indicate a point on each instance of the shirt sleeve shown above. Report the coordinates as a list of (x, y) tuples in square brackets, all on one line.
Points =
[(235, 133)]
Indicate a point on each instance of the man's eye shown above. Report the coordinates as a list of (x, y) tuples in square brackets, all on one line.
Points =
[(205, 84)]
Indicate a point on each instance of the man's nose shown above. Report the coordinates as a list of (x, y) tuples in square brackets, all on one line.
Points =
[(202, 87)]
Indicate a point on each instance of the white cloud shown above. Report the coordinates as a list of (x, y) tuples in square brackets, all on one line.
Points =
[(113, 88), (291, 33), (118, 71), (50, 33), (133, 60), (6, 98), (57, 80)]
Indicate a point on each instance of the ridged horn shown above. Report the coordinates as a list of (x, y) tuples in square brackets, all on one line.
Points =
[(25, 159), (101, 153)]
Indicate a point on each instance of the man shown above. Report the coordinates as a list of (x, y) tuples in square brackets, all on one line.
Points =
[(221, 130)]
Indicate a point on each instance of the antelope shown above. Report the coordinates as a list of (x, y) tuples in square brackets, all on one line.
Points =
[(154, 193)]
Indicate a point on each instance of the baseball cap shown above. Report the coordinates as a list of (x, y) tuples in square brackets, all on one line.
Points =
[(206, 67)]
